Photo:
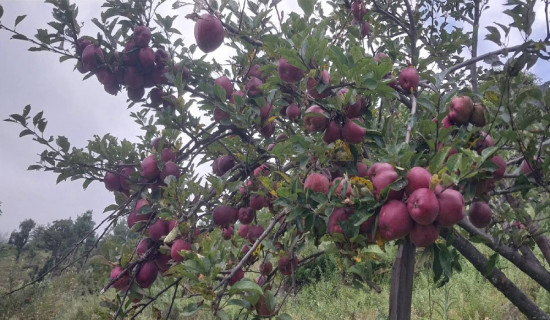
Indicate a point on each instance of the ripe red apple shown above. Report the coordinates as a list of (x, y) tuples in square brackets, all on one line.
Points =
[(106, 77), (262, 170), (158, 229), (340, 182), (365, 29), (81, 44), (149, 168), (358, 10), (362, 169), (220, 115), (143, 246), (501, 163), (265, 111), (112, 181), (142, 36), (254, 72), (451, 207), (355, 110), (257, 202), (423, 236), (267, 129), (123, 282), (224, 215), (384, 179), (480, 214), (287, 264), (338, 215), (161, 57), (333, 132), (236, 93), (147, 274), (460, 109), (352, 132), (125, 173), (167, 154), (136, 94), (156, 95), (417, 178), (163, 262), (266, 268), (243, 230), (409, 79), (253, 87), (236, 277), (134, 216), (317, 182), (526, 168), (394, 221), (289, 73), (133, 78), (92, 57), (263, 309), (222, 164), (479, 115), (169, 169), (227, 233), (312, 89), (484, 141), (209, 33), (226, 84), (178, 246), (246, 215), (293, 111), (147, 58), (423, 206), (315, 119), (378, 168), (254, 232)]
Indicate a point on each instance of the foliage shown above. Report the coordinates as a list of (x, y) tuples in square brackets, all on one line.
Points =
[(19, 238), (326, 60)]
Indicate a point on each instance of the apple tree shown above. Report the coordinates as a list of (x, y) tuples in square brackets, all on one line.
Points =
[(342, 124)]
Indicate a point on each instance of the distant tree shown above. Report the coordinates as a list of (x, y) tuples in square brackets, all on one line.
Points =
[(20, 238)]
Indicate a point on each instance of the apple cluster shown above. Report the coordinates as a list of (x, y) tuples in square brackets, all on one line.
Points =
[(359, 11)]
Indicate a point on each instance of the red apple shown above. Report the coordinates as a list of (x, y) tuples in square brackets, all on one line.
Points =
[(266, 268), (267, 129), (226, 84), (286, 265), (112, 181), (136, 94), (341, 182), (92, 57), (158, 229), (501, 163), (254, 232), (253, 87), (358, 9), (222, 164), (423, 206), (417, 178), (289, 73), (312, 89), (378, 168), (352, 132), (143, 246), (236, 277), (209, 33), (293, 111), (409, 79), (451, 207), (317, 182), (365, 29), (236, 93), (394, 221), (220, 115), (147, 274), (257, 202), (178, 246), (460, 110), (123, 282), (362, 169), (133, 78), (480, 214), (246, 215), (384, 179), (333, 132), (161, 57), (227, 233), (424, 236), (142, 36), (315, 119), (338, 215), (149, 168), (243, 230), (224, 215)]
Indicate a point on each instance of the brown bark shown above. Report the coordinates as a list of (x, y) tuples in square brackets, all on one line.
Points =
[(402, 282), (497, 278)]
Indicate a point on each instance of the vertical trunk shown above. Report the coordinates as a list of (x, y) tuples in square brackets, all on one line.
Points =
[(402, 282), (497, 278)]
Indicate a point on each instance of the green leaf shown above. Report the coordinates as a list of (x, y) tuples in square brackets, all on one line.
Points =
[(245, 286), (490, 264), (190, 309), (25, 132), (19, 37), (26, 110), (19, 19), (284, 316), (34, 167), (307, 6), (240, 303), (1, 11)]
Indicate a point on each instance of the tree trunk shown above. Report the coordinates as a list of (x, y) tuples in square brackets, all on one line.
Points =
[(497, 278), (402, 282), (527, 262)]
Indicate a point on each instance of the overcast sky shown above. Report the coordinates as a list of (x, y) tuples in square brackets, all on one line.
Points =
[(79, 109)]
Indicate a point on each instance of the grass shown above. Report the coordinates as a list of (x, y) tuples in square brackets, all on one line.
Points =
[(75, 295)]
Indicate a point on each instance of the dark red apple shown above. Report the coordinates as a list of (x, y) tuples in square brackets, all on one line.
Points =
[(243, 230), (338, 215), (81, 44), (239, 274), (293, 111), (263, 309), (220, 115), (136, 94), (312, 89), (315, 119), (133, 78), (317, 182), (289, 73), (246, 215), (236, 93), (262, 170), (254, 72), (333, 132), (156, 95), (358, 9), (423, 236), (267, 129), (226, 84), (178, 246), (92, 58), (254, 232), (378, 168), (352, 132), (163, 262), (417, 178), (365, 29), (161, 57), (423, 206), (394, 221), (149, 168), (158, 229), (130, 55), (209, 33), (147, 58), (257, 202), (143, 246), (227, 233), (123, 282), (409, 79), (142, 36), (526, 168), (451, 207), (112, 181), (253, 87), (362, 169), (266, 268), (356, 109), (384, 179), (501, 163), (125, 173), (460, 110), (167, 154), (222, 164), (286, 265), (480, 214), (224, 215), (147, 274)]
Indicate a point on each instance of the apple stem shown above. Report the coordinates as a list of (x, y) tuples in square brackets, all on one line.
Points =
[(410, 125)]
